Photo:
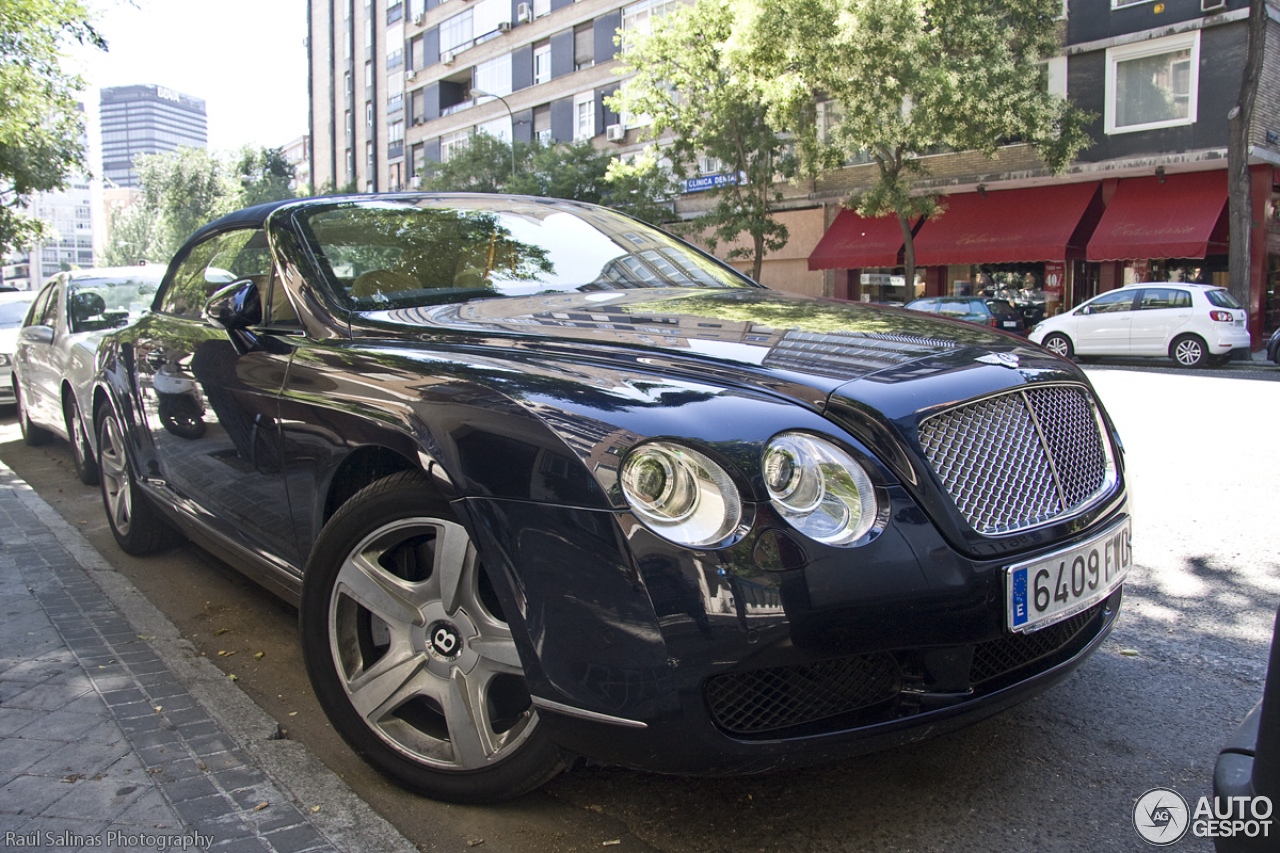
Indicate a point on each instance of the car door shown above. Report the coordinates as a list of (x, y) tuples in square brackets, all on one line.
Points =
[(37, 355), (1159, 313), (1102, 325), (210, 403)]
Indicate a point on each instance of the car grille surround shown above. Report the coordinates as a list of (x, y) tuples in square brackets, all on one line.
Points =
[(1020, 459)]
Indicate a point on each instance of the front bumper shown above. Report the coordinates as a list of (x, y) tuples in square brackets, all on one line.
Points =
[(632, 646)]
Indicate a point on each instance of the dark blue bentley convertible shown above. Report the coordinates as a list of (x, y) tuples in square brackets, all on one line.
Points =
[(545, 481)]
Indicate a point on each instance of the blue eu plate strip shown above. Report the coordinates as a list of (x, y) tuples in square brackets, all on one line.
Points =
[(1019, 597)]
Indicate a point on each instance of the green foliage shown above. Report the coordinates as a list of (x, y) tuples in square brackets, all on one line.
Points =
[(135, 237), (188, 187), (577, 171), (910, 77), (265, 175), (684, 79), (41, 125)]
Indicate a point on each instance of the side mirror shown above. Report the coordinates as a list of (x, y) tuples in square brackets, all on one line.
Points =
[(36, 334), (235, 307)]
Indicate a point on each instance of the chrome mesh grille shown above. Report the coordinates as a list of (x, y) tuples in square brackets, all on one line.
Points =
[(1019, 460)]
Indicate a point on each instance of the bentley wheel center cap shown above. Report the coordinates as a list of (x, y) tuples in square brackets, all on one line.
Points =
[(444, 641)]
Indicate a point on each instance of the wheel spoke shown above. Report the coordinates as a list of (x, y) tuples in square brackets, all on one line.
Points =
[(497, 650), (390, 599), (474, 742), (388, 683), (455, 564)]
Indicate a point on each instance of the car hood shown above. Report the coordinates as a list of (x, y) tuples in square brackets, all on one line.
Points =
[(805, 348)]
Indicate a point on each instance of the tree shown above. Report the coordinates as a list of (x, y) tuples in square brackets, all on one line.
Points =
[(910, 77), (41, 124), (576, 171), (135, 237), (264, 174), (1239, 189), (185, 188), (701, 105)]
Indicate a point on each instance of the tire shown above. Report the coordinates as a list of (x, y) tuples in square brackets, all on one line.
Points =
[(137, 525), (1059, 344), (1189, 351), (402, 635), (81, 452), (31, 434)]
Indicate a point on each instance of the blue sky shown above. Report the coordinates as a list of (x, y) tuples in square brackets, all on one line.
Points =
[(246, 58)]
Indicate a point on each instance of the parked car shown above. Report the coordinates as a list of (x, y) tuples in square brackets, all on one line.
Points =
[(13, 308), (54, 365), (983, 310), (545, 481), (1193, 324), (1273, 346)]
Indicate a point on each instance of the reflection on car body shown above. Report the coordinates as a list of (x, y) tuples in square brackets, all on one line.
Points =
[(545, 481)]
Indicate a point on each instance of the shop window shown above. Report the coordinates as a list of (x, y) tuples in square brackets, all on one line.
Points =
[(1153, 84)]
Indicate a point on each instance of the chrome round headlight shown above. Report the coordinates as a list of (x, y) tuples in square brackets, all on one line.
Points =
[(681, 494), (818, 488)]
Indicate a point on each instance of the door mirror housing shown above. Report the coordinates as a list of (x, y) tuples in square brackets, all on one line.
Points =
[(37, 334), (235, 307)]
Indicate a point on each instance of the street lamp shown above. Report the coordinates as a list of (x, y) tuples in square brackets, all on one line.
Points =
[(481, 93)]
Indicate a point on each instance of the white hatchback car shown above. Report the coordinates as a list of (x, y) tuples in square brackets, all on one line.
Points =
[(1193, 324)]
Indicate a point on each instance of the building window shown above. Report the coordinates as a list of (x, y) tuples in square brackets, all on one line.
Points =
[(584, 116), (395, 132), (368, 158), (368, 113), (395, 59), (395, 102), (1153, 84), (637, 17), (350, 124), (541, 7), (584, 46), (455, 32), (494, 76), (542, 64), (452, 143)]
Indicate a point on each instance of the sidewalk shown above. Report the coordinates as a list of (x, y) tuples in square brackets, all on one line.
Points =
[(115, 735)]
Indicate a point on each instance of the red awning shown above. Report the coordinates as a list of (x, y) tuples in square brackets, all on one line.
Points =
[(853, 242), (1150, 218), (1009, 226)]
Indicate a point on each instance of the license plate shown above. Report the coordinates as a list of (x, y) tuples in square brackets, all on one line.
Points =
[(1011, 324), (1053, 588)]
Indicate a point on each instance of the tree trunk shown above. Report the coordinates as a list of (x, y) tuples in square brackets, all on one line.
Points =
[(908, 254), (757, 261), (1239, 190)]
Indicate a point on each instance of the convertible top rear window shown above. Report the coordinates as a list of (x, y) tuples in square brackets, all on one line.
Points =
[(395, 254)]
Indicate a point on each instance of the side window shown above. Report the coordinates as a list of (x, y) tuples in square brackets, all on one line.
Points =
[(1154, 298), (40, 309), (210, 265), (1108, 303)]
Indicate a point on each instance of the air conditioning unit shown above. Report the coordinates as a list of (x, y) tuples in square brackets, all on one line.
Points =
[(419, 120), (447, 57), (615, 133), (1212, 5), (524, 13), (504, 26), (410, 74), (415, 182), (419, 18)]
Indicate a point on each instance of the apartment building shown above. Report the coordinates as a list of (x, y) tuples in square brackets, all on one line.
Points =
[(397, 84)]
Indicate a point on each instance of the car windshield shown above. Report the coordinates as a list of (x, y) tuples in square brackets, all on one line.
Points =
[(397, 254), (13, 313), (1222, 299)]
